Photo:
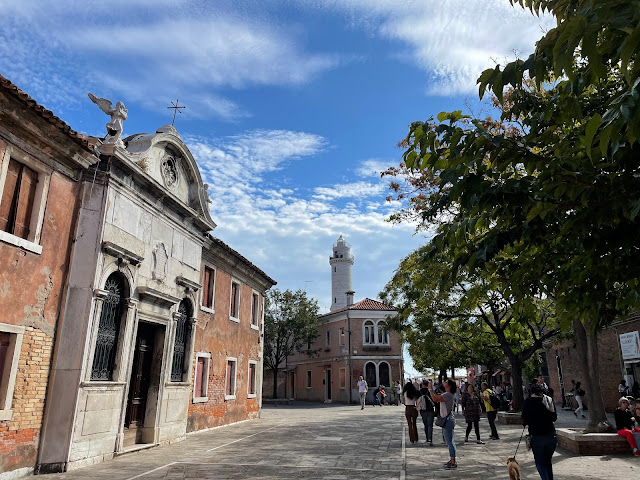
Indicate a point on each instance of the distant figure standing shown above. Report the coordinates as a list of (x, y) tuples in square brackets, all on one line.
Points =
[(471, 410), (578, 394), (398, 394), (492, 413), (429, 413), (622, 388), (540, 418), (376, 396), (362, 390), (410, 395)]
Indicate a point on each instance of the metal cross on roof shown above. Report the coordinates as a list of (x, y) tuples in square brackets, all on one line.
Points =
[(176, 109)]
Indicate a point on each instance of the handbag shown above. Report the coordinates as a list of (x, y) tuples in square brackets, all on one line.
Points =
[(442, 421)]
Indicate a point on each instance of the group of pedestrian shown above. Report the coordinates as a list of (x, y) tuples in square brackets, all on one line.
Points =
[(439, 405), (379, 394)]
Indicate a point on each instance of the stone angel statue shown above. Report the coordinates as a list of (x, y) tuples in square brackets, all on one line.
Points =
[(118, 115)]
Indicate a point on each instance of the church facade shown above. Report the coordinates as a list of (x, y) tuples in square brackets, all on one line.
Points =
[(353, 340), (129, 339)]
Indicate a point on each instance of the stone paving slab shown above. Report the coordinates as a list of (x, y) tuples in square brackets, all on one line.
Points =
[(334, 442)]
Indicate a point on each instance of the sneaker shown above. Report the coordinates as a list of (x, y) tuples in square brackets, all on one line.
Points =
[(575, 414), (583, 416), (466, 440), (480, 442), (431, 444), (450, 466), (637, 453)]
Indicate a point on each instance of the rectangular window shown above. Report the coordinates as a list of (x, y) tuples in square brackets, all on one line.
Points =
[(23, 192), (308, 378), (230, 382), (10, 345), (208, 288), (201, 379), (342, 376), (251, 387), (342, 335), (255, 310), (234, 309), (328, 342), (18, 198)]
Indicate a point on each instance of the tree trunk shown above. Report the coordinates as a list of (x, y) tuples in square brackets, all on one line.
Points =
[(587, 346), (275, 382), (516, 384)]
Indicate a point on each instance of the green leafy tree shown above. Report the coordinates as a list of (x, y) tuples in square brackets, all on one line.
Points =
[(553, 210), (290, 325), (472, 320)]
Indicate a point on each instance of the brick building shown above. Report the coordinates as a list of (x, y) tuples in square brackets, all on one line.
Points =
[(228, 345), (352, 340), (106, 345), (41, 163), (617, 361)]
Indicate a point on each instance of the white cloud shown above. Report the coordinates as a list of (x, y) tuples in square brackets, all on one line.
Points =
[(452, 41), (349, 190), (146, 51), (284, 231)]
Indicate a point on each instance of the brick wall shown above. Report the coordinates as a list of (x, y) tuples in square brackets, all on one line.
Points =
[(610, 363), (19, 437)]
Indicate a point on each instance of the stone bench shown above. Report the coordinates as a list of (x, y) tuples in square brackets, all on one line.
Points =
[(510, 418), (575, 441), (277, 401)]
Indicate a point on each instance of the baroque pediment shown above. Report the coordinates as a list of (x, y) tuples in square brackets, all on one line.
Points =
[(166, 159)]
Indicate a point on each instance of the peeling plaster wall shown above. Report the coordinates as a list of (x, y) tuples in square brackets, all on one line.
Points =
[(31, 288)]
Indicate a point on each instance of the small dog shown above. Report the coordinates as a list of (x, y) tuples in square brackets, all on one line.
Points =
[(514, 469)]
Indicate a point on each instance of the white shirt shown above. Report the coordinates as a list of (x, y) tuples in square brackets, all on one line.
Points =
[(362, 386)]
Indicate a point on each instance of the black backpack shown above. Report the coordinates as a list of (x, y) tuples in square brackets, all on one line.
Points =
[(494, 400)]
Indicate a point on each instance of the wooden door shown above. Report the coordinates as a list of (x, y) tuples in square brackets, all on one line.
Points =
[(328, 383), (140, 373)]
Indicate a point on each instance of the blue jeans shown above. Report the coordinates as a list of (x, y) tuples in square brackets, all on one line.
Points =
[(543, 447), (427, 419), (447, 431)]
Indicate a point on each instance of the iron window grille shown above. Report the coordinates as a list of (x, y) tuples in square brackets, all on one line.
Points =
[(104, 359), (180, 345)]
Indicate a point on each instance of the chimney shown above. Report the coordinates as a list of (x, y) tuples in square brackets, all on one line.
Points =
[(350, 295)]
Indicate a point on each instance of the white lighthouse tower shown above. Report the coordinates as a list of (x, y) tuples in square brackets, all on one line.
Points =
[(341, 262)]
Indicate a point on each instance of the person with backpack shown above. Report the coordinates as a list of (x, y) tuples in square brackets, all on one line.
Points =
[(426, 408), (491, 405), (578, 394)]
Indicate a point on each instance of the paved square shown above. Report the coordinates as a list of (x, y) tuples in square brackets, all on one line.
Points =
[(335, 442)]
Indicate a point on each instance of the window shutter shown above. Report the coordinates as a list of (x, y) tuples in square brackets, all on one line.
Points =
[(199, 375), (29, 181), (205, 292), (8, 194), (229, 378), (4, 351)]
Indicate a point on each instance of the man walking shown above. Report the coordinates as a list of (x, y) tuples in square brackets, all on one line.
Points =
[(362, 390), (492, 413)]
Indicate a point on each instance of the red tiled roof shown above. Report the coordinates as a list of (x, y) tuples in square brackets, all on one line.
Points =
[(48, 115), (244, 260), (366, 304)]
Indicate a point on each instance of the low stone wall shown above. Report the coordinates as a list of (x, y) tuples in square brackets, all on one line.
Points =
[(575, 441), (509, 418), (277, 401)]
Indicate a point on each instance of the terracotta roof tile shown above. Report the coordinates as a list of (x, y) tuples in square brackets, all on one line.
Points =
[(8, 86), (366, 304)]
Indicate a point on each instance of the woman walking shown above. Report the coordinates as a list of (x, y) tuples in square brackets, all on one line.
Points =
[(427, 414), (579, 393), (409, 396), (540, 420), (446, 412), (471, 410)]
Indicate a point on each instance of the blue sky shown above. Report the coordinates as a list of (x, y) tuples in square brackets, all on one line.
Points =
[(292, 106)]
